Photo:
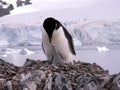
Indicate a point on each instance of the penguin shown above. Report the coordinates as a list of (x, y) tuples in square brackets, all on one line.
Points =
[(55, 38)]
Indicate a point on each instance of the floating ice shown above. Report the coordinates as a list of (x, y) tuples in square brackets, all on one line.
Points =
[(26, 51), (6, 51), (102, 49)]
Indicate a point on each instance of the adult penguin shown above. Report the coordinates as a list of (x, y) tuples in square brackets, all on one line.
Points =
[(55, 38)]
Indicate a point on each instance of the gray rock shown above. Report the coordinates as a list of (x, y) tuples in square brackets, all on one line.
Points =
[(90, 86), (48, 83), (40, 75), (116, 83)]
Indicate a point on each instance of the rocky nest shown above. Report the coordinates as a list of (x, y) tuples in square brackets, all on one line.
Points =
[(40, 75)]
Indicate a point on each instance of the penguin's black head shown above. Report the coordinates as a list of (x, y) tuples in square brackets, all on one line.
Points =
[(50, 24)]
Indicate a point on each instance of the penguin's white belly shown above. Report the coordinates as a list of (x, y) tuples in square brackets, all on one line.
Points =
[(47, 46), (61, 43)]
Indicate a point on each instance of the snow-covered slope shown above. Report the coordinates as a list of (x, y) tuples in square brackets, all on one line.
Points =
[(42, 5)]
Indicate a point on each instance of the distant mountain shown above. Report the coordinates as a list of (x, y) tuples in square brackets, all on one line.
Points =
[(6, 8)]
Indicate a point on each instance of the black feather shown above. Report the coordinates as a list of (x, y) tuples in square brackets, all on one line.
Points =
[(43, 49), (70, 40)]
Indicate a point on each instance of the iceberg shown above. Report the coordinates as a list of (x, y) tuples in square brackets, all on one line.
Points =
[(100, 49)]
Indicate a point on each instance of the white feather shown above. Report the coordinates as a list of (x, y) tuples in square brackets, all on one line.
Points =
[(60, 42)]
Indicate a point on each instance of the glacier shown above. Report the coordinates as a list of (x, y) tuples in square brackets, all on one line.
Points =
[(98, 33), (88, 32), (19, 35)]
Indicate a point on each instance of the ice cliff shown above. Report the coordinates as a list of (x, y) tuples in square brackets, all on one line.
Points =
[(90, 32)]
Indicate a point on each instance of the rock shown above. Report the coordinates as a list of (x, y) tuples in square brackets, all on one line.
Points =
[(41, 75), (116, 83), (90, 86), (6, 11), (29, 63), (7, 70)]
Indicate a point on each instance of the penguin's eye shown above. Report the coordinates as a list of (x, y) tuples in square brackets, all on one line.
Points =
[(57, 26)]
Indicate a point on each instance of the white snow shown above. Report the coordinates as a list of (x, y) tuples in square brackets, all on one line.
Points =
[(41, 5), (74, 9)]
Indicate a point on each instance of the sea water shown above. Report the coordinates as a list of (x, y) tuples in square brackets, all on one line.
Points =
[(108, 57)]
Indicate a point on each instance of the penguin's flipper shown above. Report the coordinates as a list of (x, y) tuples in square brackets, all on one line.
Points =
[(70, 40), (43, 49)]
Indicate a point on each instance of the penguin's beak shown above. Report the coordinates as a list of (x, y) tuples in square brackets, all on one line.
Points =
[(50, 37), (50, 34), (50, 40)]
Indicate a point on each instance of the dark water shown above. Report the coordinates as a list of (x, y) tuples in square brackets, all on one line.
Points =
[(109, 60)]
